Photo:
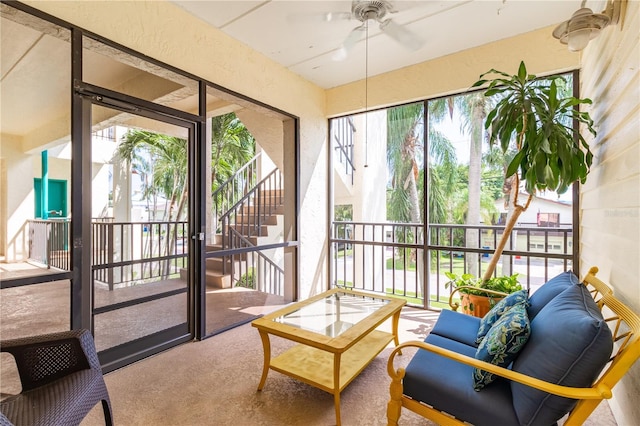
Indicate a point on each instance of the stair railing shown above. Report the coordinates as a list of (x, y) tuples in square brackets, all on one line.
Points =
[(250, 213), (263, 275), (235, 188)]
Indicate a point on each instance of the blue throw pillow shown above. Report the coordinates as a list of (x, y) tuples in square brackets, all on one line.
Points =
[(502, 343), (499, 309)]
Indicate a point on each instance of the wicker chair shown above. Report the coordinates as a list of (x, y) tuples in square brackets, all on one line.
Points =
[(61, 380)]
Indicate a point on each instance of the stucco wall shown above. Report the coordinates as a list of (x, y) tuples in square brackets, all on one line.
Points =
[(18, 198), (454, 73), (610, 199)]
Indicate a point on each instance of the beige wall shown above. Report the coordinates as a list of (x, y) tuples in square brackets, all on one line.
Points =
[(17, 198), (454, 73), (610, 199)]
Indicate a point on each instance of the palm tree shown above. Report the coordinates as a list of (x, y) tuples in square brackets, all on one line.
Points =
[(404, 159), (405, 134), (232, 145), (169, 157), (472, 109)]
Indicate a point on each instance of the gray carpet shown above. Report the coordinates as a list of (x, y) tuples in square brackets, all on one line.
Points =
[(214, 382)]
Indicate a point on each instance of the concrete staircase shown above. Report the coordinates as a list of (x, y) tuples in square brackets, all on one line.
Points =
[(258, 223)]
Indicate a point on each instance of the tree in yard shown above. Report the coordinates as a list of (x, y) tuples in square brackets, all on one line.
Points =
[(405, 137), (473, 110)]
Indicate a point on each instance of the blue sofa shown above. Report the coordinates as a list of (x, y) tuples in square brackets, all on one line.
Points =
[(568, 346)]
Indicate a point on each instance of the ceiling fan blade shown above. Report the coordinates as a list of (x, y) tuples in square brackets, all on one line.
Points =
[(347, 45), (402, 35), (318, 17)]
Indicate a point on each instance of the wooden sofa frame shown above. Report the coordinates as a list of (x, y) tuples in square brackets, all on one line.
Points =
[(625, 327)]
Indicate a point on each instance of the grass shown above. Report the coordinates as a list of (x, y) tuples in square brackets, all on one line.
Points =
[(411, 297), (344, 253)]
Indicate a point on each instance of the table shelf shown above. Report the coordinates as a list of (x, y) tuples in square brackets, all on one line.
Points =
[(315, 366)]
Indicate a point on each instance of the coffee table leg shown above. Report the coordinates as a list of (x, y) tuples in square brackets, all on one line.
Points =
[(394, 325), (266, 345), (336, 386)]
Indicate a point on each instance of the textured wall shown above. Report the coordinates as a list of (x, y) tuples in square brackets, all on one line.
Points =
[(454, 73), (610, 199)]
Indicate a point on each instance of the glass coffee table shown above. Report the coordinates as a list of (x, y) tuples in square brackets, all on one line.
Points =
[(336, 335)]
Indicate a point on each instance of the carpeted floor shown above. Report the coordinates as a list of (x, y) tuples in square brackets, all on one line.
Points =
[(214, 382)]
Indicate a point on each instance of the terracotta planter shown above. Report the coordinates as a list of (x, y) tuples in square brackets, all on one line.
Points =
[(478, 306)]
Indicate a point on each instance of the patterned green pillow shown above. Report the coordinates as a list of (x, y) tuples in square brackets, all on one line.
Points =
[(502, 343), (499, 309)]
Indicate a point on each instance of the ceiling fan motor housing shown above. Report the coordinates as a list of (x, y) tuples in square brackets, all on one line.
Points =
[(364, 10)]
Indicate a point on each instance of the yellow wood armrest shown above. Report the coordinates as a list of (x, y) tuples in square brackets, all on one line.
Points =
[(597, 392), (456, 305)]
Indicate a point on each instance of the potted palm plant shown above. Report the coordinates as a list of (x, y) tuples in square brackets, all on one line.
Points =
[(537, 120)]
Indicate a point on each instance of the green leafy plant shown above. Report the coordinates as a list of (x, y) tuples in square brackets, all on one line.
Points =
[(247, 280), (470, 284), (534, 118)]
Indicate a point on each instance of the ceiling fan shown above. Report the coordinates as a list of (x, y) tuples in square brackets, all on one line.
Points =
[(373, 10)]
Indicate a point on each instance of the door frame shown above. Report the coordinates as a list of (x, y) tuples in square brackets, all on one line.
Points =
[(134, 350)]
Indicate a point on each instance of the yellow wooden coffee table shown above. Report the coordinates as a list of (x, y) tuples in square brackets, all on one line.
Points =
[(336, 335)]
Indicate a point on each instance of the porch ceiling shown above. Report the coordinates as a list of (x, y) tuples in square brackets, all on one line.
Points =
[(35, 98), (294, 33)]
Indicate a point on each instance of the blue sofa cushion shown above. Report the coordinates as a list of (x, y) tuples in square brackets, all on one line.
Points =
[(448, 386), (456, 326), (499, 309), (502, 343), (570, 344), (549, 290)]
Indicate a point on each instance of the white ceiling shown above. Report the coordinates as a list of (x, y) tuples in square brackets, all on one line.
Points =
[(297, 35)]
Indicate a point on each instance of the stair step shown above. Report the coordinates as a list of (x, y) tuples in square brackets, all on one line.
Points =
[(274, 209), (243, 218), (218, 280), (244, 230), (215, 279), (214, 247)]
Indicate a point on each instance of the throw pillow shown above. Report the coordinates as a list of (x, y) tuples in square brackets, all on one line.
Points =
[(502, 343), (499, 309)]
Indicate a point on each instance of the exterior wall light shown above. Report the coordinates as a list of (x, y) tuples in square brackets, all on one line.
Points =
[(585, 25)]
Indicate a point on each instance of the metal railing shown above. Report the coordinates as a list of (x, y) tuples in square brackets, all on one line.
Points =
[(253, 211), (389, 258), (126, 252), (255, 269), (49, 242), (342, 130), (235, 188)]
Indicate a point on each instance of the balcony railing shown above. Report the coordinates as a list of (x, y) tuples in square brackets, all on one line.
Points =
[(49, 242), (136, 252), (125, 252), (342, 131), (389, 258)]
